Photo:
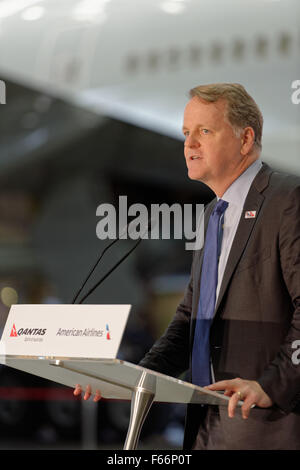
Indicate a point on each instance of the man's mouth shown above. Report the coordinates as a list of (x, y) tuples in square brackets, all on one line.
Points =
[(194, 157)]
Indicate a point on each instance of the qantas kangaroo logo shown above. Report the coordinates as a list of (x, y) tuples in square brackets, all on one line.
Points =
[(13, 332)]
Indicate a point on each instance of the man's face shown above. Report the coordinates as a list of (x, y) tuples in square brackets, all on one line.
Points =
[(211, 149)]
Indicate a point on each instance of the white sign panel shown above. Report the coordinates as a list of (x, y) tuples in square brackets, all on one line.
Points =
[(90, 331)]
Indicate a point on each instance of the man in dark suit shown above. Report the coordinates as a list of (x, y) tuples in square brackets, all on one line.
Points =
[(255, 318), (257, 312)]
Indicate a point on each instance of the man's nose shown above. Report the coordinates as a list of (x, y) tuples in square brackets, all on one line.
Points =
[(191, 141)]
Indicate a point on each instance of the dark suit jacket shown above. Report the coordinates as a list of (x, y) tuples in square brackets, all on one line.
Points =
[(257, 318)]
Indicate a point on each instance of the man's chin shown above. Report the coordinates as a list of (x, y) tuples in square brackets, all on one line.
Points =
[(195, 175)]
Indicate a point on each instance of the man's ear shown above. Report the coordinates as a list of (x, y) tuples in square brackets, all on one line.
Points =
[(247, 140)]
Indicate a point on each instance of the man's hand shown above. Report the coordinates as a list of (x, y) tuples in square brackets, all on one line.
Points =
[(78, 391), (249, 391)]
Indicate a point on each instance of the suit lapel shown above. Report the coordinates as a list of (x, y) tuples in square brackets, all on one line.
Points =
[(253, 202)]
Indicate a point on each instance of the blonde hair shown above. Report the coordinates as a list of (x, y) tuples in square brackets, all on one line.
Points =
[(241, 110)]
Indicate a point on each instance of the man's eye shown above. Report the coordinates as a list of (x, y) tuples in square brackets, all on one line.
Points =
[(186, 133), (205, 131)]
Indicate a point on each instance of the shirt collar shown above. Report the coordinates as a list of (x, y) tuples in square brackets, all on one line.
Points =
[(238, 190)]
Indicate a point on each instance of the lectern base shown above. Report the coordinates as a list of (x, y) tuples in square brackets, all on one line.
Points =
[(140, 405), (141, 401)]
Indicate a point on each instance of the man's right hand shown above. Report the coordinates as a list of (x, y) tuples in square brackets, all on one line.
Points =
[(88, 393)]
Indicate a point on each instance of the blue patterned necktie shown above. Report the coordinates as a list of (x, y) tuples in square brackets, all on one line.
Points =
[(201, 374)]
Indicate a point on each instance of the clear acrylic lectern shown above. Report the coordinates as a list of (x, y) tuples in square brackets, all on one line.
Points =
[(117, 380), (78, 344)]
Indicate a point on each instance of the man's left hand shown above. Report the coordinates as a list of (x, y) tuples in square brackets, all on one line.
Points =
[(249, 391)]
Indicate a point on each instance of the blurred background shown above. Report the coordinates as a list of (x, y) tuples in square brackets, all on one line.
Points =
[(94, 96)]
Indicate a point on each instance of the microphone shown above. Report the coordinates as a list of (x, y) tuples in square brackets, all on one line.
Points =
[(150, 225), (97, 262)]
